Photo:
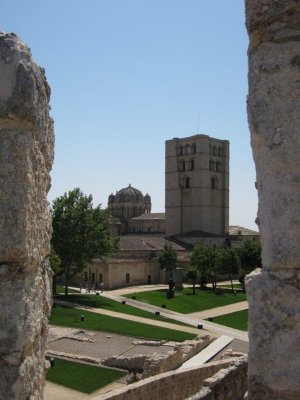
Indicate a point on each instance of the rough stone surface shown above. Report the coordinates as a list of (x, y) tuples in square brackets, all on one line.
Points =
[(188, 384), (274, 120), (26, 154)]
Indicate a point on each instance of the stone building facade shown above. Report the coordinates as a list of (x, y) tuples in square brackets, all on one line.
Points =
[(197, 185), (197, 207)]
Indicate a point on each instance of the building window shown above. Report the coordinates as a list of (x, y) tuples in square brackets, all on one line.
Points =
[(100, 278), (93, 277), (220, 151), (193, 148), (215, 151), (192, 165), (214, 183), (187, 182), (211, 165), (85, 276), (218, 167), (127, 277)]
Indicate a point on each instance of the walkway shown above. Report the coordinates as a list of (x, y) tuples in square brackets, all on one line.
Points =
[(213, 328), (57, 392)]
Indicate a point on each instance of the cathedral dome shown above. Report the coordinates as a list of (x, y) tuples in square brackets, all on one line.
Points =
[(129, 194)]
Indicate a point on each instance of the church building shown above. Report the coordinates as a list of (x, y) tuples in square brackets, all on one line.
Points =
[(196, 211)]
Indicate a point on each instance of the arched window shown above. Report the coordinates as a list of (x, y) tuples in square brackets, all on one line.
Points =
[(214, 183), (179, 151)]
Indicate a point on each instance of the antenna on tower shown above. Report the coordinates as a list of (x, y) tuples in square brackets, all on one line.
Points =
[(198, 124)]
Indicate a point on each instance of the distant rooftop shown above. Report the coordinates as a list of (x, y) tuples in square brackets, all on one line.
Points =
[(235, 229)]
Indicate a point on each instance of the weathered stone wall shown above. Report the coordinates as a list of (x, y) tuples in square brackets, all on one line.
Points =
[(26, 155), (158, 363), (274, 120), (180, 385)]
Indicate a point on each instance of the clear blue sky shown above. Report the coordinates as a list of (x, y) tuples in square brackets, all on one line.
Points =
[(126, 75)]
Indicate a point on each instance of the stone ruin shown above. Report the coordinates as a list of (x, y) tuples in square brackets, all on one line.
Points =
[(274, 120), (26, 156)]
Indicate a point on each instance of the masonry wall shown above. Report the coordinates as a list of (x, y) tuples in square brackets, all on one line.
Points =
[(179, 385), (197, 185), (26, 155), (274, 120)]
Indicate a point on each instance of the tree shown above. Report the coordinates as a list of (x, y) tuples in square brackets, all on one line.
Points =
[(250, 256), (192, 275), (204, 258), (80, 233), (55, 264), (229, 262), (167, 258)]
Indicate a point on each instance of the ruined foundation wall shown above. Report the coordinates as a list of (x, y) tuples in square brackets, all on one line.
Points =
[(26, 155), (274, 120)]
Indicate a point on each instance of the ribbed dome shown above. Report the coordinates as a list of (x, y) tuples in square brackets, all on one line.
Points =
[(129, 194)]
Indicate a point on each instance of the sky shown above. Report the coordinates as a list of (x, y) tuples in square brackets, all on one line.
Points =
[(126, 75)]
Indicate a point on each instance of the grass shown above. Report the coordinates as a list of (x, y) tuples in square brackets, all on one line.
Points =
[(185, 302), (91, 300), (61, 290), (237, 320), (81, 377), (235, 286), (70, 316)]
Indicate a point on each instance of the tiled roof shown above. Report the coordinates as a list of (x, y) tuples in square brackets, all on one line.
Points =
[(235, 229), (145, 242), (151, 216)]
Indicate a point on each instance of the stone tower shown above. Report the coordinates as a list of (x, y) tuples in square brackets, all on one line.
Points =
[(197, 185)]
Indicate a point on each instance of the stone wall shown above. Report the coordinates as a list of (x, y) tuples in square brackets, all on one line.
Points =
[(180, 385), (26, 155), (274, 120), (159, 363)]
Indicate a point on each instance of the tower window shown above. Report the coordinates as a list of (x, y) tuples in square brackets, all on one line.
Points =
[(193, 148), (187, 182), (218, 167), (192, 165), (214, 183)]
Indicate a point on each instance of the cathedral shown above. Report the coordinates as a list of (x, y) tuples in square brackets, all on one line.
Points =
[(196, 211)]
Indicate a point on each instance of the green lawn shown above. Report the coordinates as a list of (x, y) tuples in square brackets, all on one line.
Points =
[(235, 286), (81, 377), (91, 300), (237, 320), (70, 316), (185, 302), (61, 290)]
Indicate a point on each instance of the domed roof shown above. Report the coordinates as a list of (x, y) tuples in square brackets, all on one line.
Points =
[(129, 194)]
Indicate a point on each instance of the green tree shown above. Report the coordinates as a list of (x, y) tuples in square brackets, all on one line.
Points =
[(80, 233), (192, 275), (229, 262), (55, 264), (250, 256), (204, 258), (167, 258)]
